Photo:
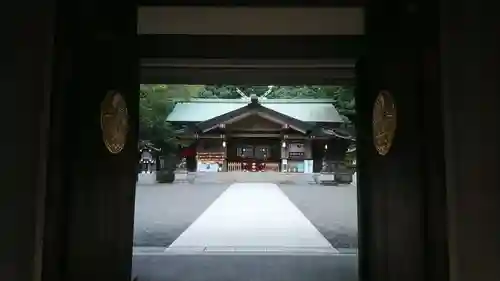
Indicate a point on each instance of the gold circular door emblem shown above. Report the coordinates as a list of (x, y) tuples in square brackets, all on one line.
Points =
[(384, 122), (114, 122)]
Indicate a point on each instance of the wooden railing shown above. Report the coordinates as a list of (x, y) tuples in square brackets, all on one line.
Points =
[(234, 167)]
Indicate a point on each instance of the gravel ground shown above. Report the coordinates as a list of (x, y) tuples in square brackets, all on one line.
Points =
[(164, 211), (332, 209)]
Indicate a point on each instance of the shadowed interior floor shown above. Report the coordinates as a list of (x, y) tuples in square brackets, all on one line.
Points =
[(245, 268)]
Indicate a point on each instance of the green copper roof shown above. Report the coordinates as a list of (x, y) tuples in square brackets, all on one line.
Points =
[(310, 110)]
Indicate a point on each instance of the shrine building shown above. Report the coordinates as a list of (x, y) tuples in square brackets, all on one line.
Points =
[(259, 134)]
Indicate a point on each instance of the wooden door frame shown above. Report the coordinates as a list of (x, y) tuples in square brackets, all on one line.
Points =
[(247, 71), (197, 70)]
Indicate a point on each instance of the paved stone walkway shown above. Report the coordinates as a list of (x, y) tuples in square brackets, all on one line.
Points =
[(252, 217)]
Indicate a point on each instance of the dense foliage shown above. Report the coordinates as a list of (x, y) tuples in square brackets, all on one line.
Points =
[(157, 101), (343, 97)]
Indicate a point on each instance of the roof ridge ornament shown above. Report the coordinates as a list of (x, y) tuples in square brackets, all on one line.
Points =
[(269, 90), (263, 97), (242, 94)]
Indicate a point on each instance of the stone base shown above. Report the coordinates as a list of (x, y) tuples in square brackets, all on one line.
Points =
[(315, 177), (191, 177), (248, 177), (343, 177), (326, 178)]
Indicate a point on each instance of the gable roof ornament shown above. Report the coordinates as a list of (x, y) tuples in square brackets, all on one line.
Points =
[(269, 90), (242, 94), (264, 96)]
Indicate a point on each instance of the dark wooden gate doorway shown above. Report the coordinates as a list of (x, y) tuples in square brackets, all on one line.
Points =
[(88, 233)]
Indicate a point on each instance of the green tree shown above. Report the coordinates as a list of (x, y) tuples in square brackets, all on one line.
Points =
[(156, 103), (218, 92), (343, 98), (295, 92)]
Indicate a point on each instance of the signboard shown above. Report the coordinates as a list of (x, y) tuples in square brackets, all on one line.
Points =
[(208, 167), (296, 154)]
